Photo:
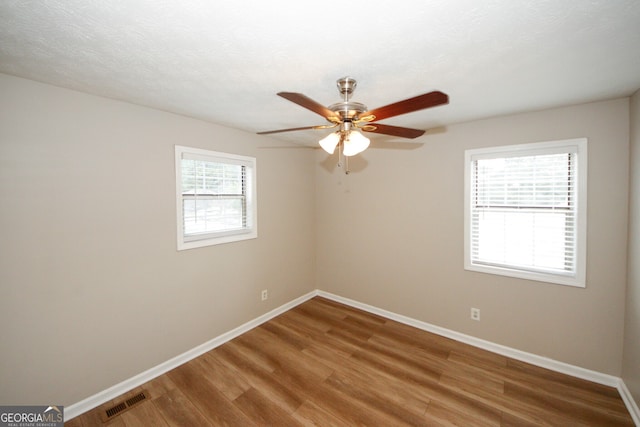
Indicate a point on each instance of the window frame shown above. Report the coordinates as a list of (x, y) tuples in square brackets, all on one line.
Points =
[(576, 145), (250, 227)]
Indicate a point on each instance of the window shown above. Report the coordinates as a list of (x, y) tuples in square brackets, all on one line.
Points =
[(525, 211), (216, 197)]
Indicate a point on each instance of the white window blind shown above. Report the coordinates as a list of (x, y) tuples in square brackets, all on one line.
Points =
[(525, 212), (215, 197)]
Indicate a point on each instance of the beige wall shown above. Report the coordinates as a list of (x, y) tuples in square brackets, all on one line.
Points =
[(631, 357), (390, 234), (94, 292), (92, 289)]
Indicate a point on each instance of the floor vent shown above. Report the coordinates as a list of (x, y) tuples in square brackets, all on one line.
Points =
[(121, 407), (135, 399)]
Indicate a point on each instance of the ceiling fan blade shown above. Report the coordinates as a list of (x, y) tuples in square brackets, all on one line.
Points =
[(392, 130), (310, 104), (416, 103), (294, 129)]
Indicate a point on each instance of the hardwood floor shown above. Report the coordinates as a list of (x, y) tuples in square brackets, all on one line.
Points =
[(323, 363)]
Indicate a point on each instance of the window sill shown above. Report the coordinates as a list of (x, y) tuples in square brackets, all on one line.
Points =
[(558, 279)]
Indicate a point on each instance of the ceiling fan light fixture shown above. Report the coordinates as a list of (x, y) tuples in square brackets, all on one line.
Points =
[(354, 143), (330, 142)]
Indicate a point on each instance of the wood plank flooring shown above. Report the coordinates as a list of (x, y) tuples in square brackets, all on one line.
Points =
[(326, 364)]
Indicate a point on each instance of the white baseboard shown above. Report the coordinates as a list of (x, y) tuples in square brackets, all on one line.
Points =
[(543, 362), (104, 396), (629, 402)]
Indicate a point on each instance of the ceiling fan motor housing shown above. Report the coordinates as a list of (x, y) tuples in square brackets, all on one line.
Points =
[(348, 110)]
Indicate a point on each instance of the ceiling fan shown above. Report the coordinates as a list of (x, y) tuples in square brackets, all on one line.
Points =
[(352, 117)]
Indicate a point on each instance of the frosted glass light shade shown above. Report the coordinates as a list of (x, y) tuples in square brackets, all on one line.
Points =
[(354, 143), (330, 142)]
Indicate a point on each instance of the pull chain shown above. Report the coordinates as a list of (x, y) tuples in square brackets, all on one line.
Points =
[(342, 159), (346, 165)]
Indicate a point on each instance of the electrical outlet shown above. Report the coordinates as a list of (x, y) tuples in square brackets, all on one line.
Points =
[(475, 314), (265, 295)]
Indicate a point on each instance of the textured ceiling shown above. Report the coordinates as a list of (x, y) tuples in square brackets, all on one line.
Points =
[(224, 61)]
